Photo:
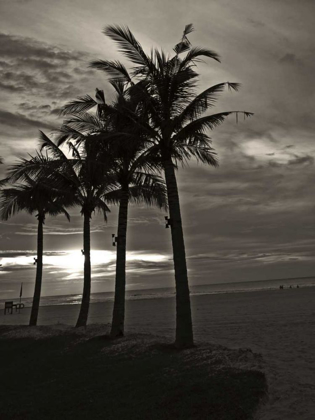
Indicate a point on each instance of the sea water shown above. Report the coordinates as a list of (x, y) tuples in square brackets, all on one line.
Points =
[(204, 289)]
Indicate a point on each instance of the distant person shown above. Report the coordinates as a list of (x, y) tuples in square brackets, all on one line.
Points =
[(290, 287), (297, 286)]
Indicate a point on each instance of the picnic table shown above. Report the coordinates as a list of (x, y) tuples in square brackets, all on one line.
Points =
[(8, 307)]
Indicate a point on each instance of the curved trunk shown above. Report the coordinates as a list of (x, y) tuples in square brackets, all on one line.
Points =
[(39, 271), (84, 310), (184, 331), (118, 320)]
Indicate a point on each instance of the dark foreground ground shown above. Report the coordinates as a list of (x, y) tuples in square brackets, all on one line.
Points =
[(62, 373)]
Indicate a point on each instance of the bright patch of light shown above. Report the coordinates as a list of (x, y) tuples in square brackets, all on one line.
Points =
[(71, 262), (133, 256), (265, 150), (19, 260), (66, 260)]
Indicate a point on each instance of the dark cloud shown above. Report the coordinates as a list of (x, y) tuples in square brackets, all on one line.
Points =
[(5, 87), (290, 59), (56, 111), (256, 23), (13, 254), (248, 219), (36, 78), (42, 70), (12, 46), (21, 121), (302, 160)]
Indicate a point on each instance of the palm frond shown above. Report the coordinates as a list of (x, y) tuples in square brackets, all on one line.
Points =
[(137, 122), (184, 44), (99, 96), (56, 207), (148, 160), (3, 182), (201, 103), (160, 59), (114, 196), (149, 188), (118, 85), (33, 196), (128, 45), (60, 158), (188, 29), (84, 122), (10, 204), (115, 69), (75, 152), (194, 55), (204, 154), (47, 144), (67, 133), (233, 86), (101, 207), (200, 125), (181, 47), (82, 104)]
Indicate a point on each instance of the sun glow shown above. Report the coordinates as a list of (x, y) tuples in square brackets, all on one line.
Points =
[(71, 259), (71, 262), (265, 150), (74, 259)]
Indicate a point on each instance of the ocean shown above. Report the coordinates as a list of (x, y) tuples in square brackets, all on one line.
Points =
[(157, 293)]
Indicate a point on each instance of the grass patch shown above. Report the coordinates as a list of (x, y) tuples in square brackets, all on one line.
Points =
[(71, 374)]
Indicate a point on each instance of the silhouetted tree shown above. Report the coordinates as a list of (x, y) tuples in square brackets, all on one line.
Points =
[(133, 170), (166, 88), (89, 180), (33, 196)]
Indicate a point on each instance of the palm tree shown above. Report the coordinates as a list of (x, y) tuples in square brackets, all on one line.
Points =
[(91, 182), (133, 171), (33, 196), (84, 181), (166, 88)]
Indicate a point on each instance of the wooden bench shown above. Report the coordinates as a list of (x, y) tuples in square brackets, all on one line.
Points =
[(18, 306), (8, 307)]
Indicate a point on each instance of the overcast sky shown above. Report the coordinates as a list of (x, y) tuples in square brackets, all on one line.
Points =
[(250, 219)]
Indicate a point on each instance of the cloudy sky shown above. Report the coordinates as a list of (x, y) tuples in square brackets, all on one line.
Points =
[(250, 219)]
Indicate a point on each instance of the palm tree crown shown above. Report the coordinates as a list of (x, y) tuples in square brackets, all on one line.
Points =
[(32, 197)]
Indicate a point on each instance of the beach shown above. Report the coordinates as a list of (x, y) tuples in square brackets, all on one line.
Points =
[(278, 324)]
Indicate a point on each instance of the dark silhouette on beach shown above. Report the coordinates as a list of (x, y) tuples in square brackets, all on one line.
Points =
[(32, 196)]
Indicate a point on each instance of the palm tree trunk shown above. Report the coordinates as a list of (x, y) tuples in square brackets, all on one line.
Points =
[(39, 271), (184, 331), (84, 310), (118, 320)]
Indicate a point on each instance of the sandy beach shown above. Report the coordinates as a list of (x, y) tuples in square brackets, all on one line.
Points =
[(278, 324)]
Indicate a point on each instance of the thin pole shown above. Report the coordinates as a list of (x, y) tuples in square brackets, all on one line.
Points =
[(21, 291)]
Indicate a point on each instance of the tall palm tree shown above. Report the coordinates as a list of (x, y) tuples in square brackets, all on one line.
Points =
[(134, 172), (91, 182), (166, 88), (33, 196)]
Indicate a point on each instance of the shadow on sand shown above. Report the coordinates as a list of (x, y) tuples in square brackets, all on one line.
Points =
[(54, 373)]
